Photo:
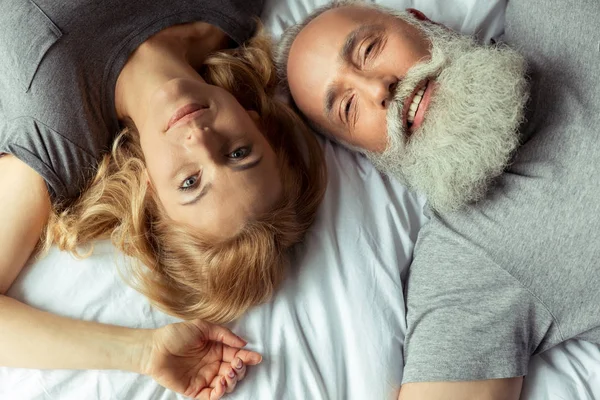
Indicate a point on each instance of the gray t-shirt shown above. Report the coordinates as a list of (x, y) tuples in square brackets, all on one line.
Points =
[(519, 272), (59, 63)]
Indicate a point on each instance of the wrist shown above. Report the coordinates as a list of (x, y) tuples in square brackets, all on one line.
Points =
[(140, 351)]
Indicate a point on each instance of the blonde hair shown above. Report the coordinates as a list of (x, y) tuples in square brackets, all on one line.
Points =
[(181, 272)]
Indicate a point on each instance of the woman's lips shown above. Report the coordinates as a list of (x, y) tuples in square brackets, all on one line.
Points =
[(184, 114)]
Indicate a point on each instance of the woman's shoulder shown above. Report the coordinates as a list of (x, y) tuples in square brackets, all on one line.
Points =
[(65, 164)]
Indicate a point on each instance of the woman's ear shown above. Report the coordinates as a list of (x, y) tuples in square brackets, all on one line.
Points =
[(254, 116), (146, 179)]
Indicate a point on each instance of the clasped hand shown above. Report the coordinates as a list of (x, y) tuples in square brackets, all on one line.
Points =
[(197, 359)]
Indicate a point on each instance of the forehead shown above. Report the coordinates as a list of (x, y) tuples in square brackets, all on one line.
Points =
[(314, 55)]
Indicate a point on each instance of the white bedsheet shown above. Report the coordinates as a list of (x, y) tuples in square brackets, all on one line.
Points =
[(335, 329)]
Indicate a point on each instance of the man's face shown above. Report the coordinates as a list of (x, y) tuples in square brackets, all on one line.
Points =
[(426, 105), (343, 69)]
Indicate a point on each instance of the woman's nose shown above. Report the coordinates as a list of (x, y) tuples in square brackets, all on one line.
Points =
[(377, 89), (204, 139)]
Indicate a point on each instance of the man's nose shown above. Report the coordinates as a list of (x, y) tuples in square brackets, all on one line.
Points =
[(377, 89)]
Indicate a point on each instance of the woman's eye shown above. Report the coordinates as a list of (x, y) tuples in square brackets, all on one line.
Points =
[(239, 153), (189, 183)]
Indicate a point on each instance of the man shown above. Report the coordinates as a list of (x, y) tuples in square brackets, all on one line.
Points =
[(509, 264)]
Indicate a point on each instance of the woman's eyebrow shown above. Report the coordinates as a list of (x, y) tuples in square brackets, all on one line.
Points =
[(200, 195), (247, 166), (208, 186)]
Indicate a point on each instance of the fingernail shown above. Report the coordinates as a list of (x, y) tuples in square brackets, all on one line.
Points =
[(231, 374), (223, 382), (238, 363)]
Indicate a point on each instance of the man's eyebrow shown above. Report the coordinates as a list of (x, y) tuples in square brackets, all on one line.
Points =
[(345, 55), (200, 195), (329, 100)]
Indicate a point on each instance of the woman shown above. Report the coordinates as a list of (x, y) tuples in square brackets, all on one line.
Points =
[(207, 188)]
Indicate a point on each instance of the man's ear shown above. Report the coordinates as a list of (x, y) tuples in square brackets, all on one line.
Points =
[(422, 17), (419, 15)]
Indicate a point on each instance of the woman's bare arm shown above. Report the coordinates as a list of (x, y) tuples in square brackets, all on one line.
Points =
[(24, 210), (29, 337), (194, 358)]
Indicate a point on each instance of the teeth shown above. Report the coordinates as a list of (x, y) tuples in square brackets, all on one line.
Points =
[(414, 106), (411, 116)]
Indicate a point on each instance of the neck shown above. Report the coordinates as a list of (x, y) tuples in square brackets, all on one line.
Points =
[(173, 53)]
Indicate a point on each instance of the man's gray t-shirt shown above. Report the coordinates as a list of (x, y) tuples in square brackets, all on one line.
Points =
[(59, 63), (519, 272)]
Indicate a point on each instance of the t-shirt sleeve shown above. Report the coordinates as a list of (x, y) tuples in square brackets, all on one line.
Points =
[(65, 166), (467, 318)]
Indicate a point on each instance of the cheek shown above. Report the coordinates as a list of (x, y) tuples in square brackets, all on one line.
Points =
[(231, 113), (417, 45), (405, 48), (402, 56), (269, 189), (159, 162), (372, 133)]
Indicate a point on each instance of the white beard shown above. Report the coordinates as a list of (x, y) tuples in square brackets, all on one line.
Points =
[(470, 129)]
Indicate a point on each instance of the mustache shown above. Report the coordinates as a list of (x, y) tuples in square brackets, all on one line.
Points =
[(396, 117), (471, 126)]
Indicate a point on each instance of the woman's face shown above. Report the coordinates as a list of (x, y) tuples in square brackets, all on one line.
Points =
[(206, 158)]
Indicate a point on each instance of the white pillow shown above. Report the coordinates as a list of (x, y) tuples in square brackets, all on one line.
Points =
[(485, 18)]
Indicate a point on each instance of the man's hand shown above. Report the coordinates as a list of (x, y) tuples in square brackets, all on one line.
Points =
[(492, 389), (198, 359)]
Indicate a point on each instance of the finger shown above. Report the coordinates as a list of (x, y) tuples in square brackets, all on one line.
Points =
[(225, 370), (248, 357), (216, 379), (231, 378), (233, 373), (221, 334), (239, 367), (216, 392)]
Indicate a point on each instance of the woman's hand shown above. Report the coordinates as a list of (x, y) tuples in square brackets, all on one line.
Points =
[(198, 359)]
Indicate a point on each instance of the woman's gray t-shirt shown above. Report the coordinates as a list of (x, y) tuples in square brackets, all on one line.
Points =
[(59, 63)]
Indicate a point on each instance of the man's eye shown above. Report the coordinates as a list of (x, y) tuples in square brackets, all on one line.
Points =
[(348, 107), (239, 153), (369, 49), (189, 183)]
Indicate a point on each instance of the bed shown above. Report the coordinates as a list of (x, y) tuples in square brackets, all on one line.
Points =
[(335, 329)]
